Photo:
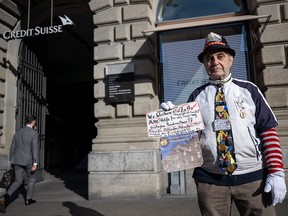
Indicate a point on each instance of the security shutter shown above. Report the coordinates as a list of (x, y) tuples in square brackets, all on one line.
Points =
[(182, 72)]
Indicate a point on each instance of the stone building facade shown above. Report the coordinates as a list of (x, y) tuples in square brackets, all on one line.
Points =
[(124, 162)]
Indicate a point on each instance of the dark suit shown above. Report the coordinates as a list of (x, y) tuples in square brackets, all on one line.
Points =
[(23, 153)]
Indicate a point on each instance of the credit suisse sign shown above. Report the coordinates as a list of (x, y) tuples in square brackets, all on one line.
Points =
[(9, 35)]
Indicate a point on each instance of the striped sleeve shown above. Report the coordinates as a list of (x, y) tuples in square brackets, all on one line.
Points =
[(272, 150)]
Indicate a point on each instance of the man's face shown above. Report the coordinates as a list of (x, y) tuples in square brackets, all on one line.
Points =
[(217, 64)]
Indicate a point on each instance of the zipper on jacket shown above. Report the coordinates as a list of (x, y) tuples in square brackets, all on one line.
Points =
[(258, 154)]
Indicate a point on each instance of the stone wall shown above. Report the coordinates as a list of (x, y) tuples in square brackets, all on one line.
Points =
[(124, 162), (9, 15), (6, 22), (272, 73)]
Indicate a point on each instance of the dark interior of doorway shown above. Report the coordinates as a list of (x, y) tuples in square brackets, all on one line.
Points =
[(70, 122), (69, 125), (68, 98)]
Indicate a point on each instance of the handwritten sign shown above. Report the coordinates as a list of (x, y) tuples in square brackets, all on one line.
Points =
[(176, 128), (181, 119)]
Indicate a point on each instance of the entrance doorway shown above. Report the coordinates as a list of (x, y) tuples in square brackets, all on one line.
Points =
[(70, 120), (67, 65), (70, 124)]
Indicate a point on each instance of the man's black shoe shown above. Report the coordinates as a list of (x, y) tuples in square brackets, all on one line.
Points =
[(2, 205), (29, 201), (6, 198), (3, 202)]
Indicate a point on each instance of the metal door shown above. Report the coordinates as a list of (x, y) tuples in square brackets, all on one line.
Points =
[(31, 96)]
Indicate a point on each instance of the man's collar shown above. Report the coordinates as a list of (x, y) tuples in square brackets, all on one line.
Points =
[(221, 82)]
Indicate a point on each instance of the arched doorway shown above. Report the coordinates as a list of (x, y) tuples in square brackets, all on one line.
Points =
[(67, 65), (70, 123)]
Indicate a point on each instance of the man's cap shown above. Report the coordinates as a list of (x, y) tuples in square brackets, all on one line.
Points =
[(215, 41)]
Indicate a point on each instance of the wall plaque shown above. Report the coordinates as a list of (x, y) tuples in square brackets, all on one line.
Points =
[(120, 83)]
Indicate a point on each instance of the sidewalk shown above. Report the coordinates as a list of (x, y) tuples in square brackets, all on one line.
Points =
[(65, 195)]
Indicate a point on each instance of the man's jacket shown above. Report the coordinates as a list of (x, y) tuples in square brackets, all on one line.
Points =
[(249, 114), (24, 147)]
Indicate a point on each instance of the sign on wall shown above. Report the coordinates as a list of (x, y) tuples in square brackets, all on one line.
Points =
[(119, 86), (38, 30)]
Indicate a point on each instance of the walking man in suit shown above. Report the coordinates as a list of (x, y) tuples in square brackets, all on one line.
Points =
[(23, 156)]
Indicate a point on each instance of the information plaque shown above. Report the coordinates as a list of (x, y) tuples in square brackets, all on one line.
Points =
[(120, 88), (119, 80)]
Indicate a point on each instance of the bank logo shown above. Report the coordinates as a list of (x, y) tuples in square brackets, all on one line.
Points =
[(39, 30), (66, 21)]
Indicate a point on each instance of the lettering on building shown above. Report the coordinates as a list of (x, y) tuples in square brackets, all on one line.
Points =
[(38, 30)]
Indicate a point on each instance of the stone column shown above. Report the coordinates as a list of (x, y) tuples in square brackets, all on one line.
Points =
[(272, 61), (124, 162), (8, 19)]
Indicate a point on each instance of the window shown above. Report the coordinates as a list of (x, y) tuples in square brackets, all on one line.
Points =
[(182, 72), (181, 9)]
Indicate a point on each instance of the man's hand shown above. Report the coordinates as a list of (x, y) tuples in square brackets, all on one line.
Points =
[(34, 167), (275, 183), (167, 106)]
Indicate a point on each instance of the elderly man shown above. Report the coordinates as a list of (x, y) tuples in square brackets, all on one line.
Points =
[(240, 146)]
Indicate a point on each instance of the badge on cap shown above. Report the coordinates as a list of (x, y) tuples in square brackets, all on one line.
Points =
[(213, 37)]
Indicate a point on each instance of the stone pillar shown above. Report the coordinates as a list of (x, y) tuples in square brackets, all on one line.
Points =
[(272, 71), (8, 20), (124, 162)]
